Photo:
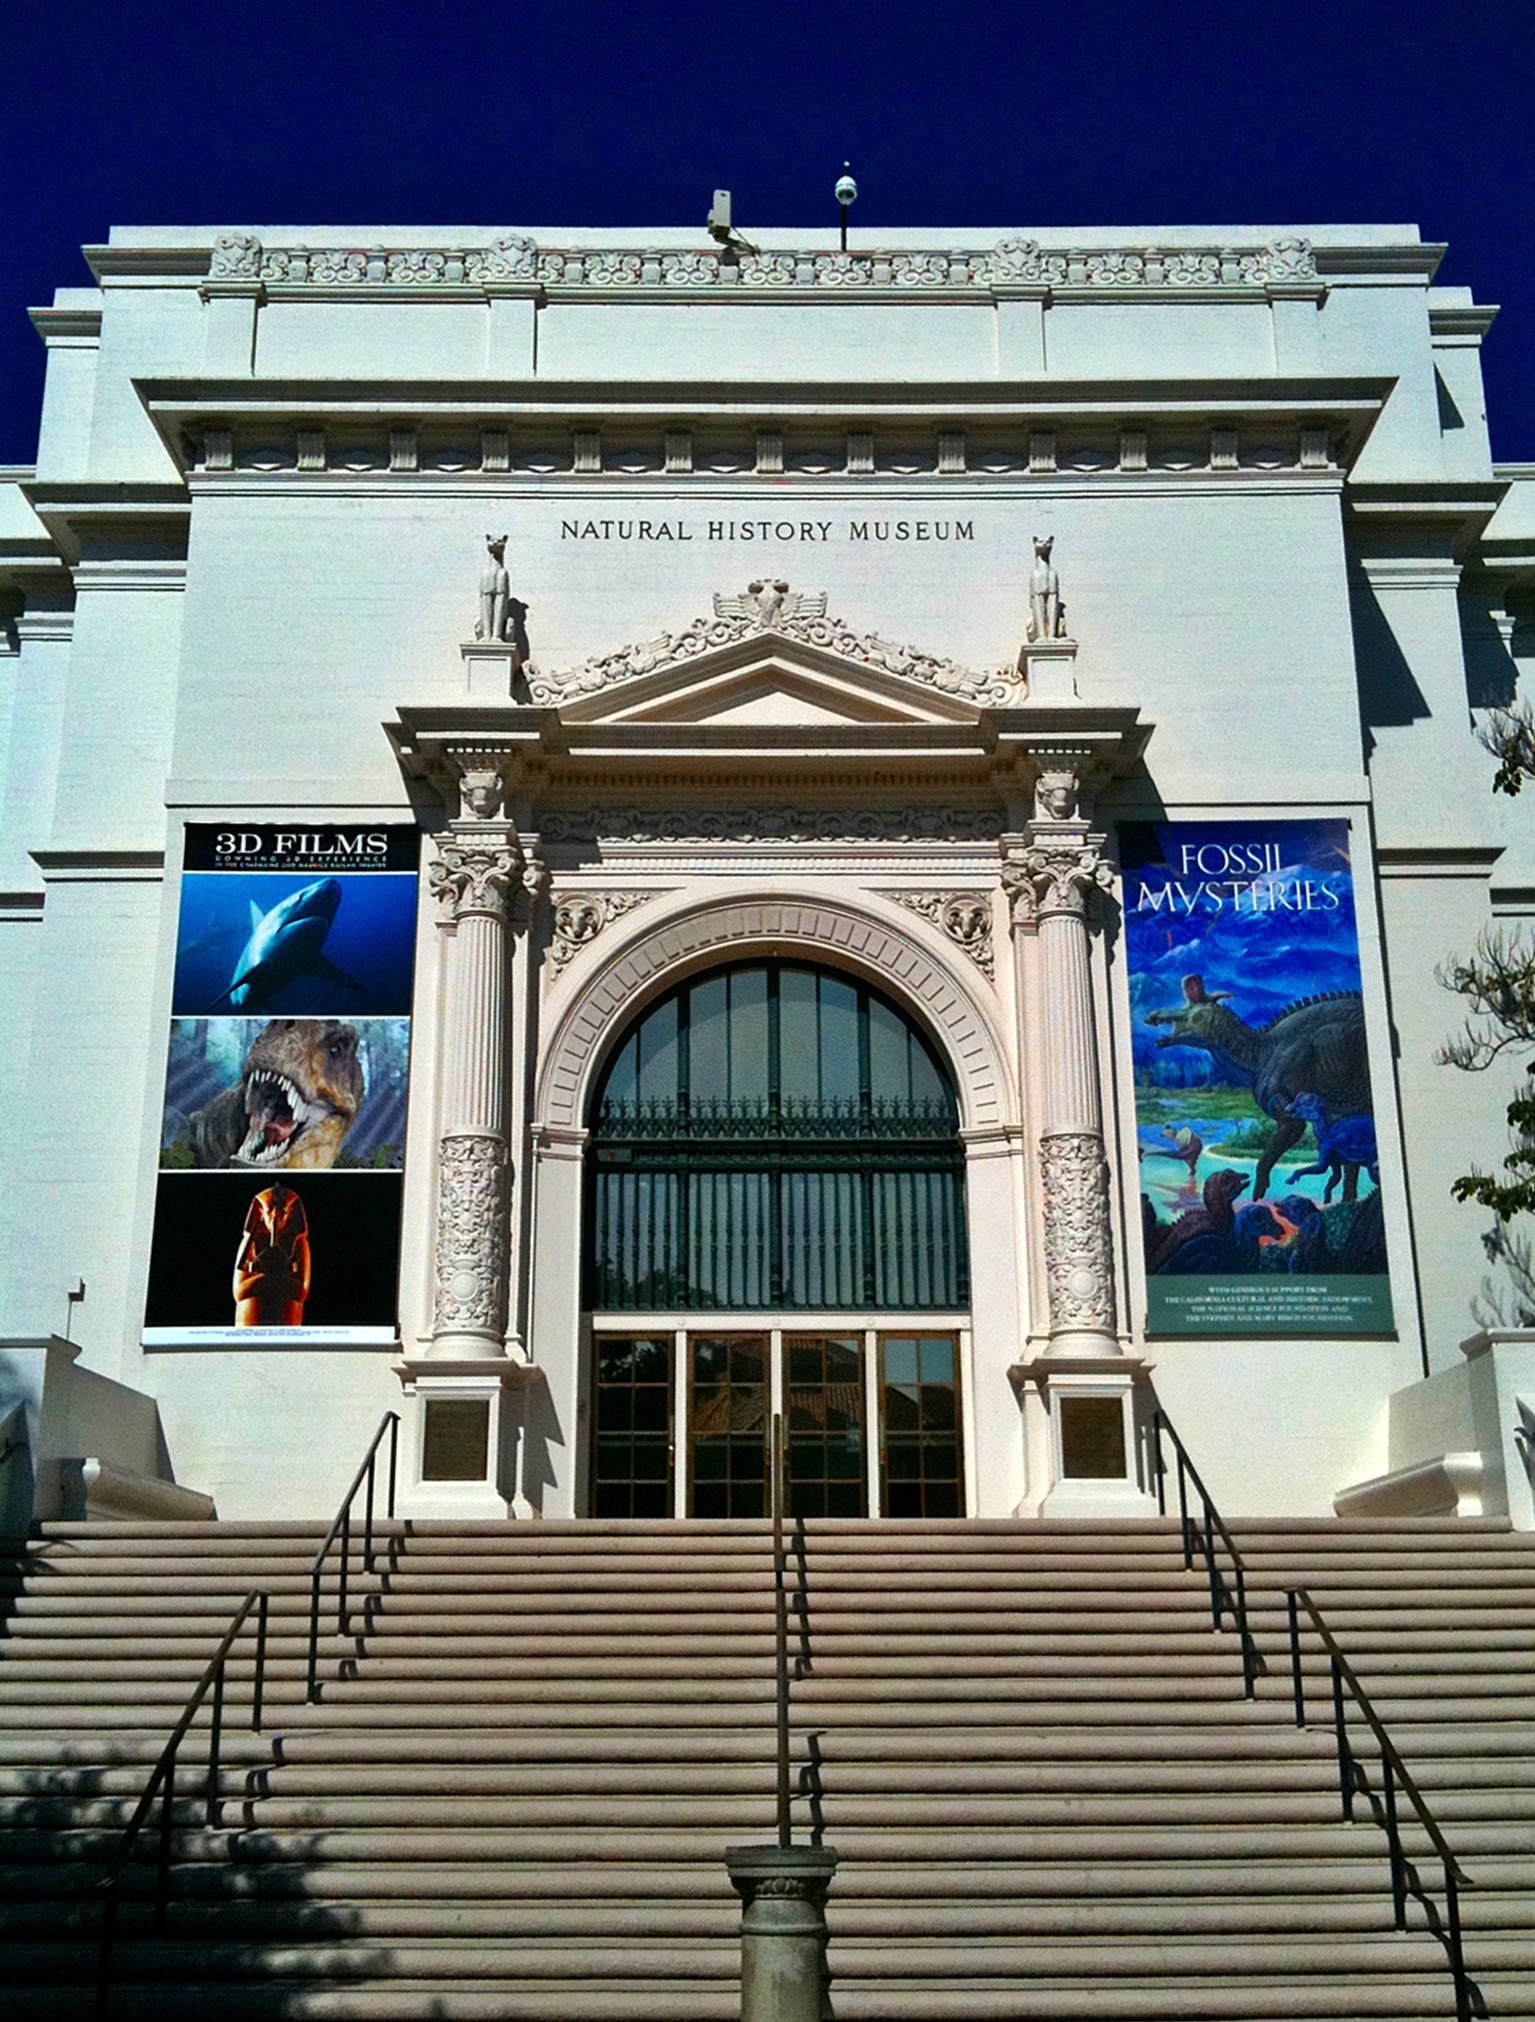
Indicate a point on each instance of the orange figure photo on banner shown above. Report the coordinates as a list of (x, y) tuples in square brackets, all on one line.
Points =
[(271, 1280)]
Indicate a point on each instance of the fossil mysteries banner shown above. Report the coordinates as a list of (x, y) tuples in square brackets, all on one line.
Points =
[(277, 1210), (1259, 1175)]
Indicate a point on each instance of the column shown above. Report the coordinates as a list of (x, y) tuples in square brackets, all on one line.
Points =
[(1049, 874), (478, 872)]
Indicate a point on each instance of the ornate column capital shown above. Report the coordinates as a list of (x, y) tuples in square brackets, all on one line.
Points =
[(478, 874), (1053, 870)]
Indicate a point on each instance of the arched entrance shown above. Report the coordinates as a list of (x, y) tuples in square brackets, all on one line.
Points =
[(775, 1221)]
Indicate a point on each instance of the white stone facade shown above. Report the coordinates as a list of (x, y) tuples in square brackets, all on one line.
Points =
[(773, 693)]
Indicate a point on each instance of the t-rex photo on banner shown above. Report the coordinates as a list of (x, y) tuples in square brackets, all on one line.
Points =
[(1259, 1175), (277, 1209)]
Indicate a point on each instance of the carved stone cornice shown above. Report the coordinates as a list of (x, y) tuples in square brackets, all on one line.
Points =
[(774, 611), (964, 916), (239, 258)]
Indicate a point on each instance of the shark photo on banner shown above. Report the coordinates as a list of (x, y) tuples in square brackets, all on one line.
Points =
[(1259, 1171), (277, 1210)]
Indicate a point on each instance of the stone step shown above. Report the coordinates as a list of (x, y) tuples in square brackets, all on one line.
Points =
[(1045, 1882), (718, 1916), (1326, 1838), (671, 1809), (292, 1779)]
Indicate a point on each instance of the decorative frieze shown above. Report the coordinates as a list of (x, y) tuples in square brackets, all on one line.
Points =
[(579, 917), (964, 916), (514, 259), (742, 826), (795, 615)]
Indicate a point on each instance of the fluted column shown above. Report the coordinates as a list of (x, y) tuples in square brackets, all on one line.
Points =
[(476, 878), (1050, 873)]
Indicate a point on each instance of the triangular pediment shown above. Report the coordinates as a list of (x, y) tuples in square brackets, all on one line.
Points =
[(772, 658)]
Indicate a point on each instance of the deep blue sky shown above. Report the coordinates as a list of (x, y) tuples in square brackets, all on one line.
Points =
[(979, 114)]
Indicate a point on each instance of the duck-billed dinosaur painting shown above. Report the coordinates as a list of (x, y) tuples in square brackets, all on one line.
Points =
[(1313, 1049), (1254, 1104)]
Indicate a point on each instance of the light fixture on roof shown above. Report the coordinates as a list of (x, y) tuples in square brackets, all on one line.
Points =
[(846, 194), (720, 228)]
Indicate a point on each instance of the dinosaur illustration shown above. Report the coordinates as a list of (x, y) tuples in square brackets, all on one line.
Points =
[(272, 1263), (284, 945), (1316, 1045), (300, 1088), (1343, 1146), (1203, 1240)]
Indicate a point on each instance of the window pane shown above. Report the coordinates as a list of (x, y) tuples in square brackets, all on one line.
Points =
[(748, 1035), (658, 1054), (708, 1041), (798, 1037), (839, 1041), (728, 1425), (632, 1426), (824, 1399), (919, 1426), (621, 1085), (889, 1077)]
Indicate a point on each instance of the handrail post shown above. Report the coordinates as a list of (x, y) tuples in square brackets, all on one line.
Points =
[(367, 1533), (1345, 1753), (258, 1690), (313, 1690), (1159, 1467), (215, 1728), (104, 1955), (343, 1618), (1183, 1514), (1394, 1842), (163, 1877), (1296, 1679), (1249, 1647), (1457, 1955), (1216, 1582), (781, 1632)]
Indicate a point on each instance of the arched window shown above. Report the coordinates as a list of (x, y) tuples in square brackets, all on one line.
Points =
[(775, 1137)]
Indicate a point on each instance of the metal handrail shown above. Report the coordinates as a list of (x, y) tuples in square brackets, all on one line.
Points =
[(163, 1780), (341, 1525), (1226, 1596), (1394, 1771), (781, 1633), (810, 1779)]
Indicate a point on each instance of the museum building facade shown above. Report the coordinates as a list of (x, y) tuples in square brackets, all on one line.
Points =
[(608, 839)]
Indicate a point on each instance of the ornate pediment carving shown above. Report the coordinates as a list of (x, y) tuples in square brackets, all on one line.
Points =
[(766, 611)]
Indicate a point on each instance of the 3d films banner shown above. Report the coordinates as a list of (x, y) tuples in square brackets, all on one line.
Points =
[(277, 1209), (1260, 1187)]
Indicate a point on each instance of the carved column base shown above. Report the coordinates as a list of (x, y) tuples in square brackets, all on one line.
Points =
[(1085, 1438), (470, 1312), (461, 1444), (783, 1929), (1079, 1256)]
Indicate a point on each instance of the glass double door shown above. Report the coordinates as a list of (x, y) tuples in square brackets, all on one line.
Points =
[(682, 1423)]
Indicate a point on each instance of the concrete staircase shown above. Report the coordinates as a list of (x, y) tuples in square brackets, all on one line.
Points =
[(1025, 1740)]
